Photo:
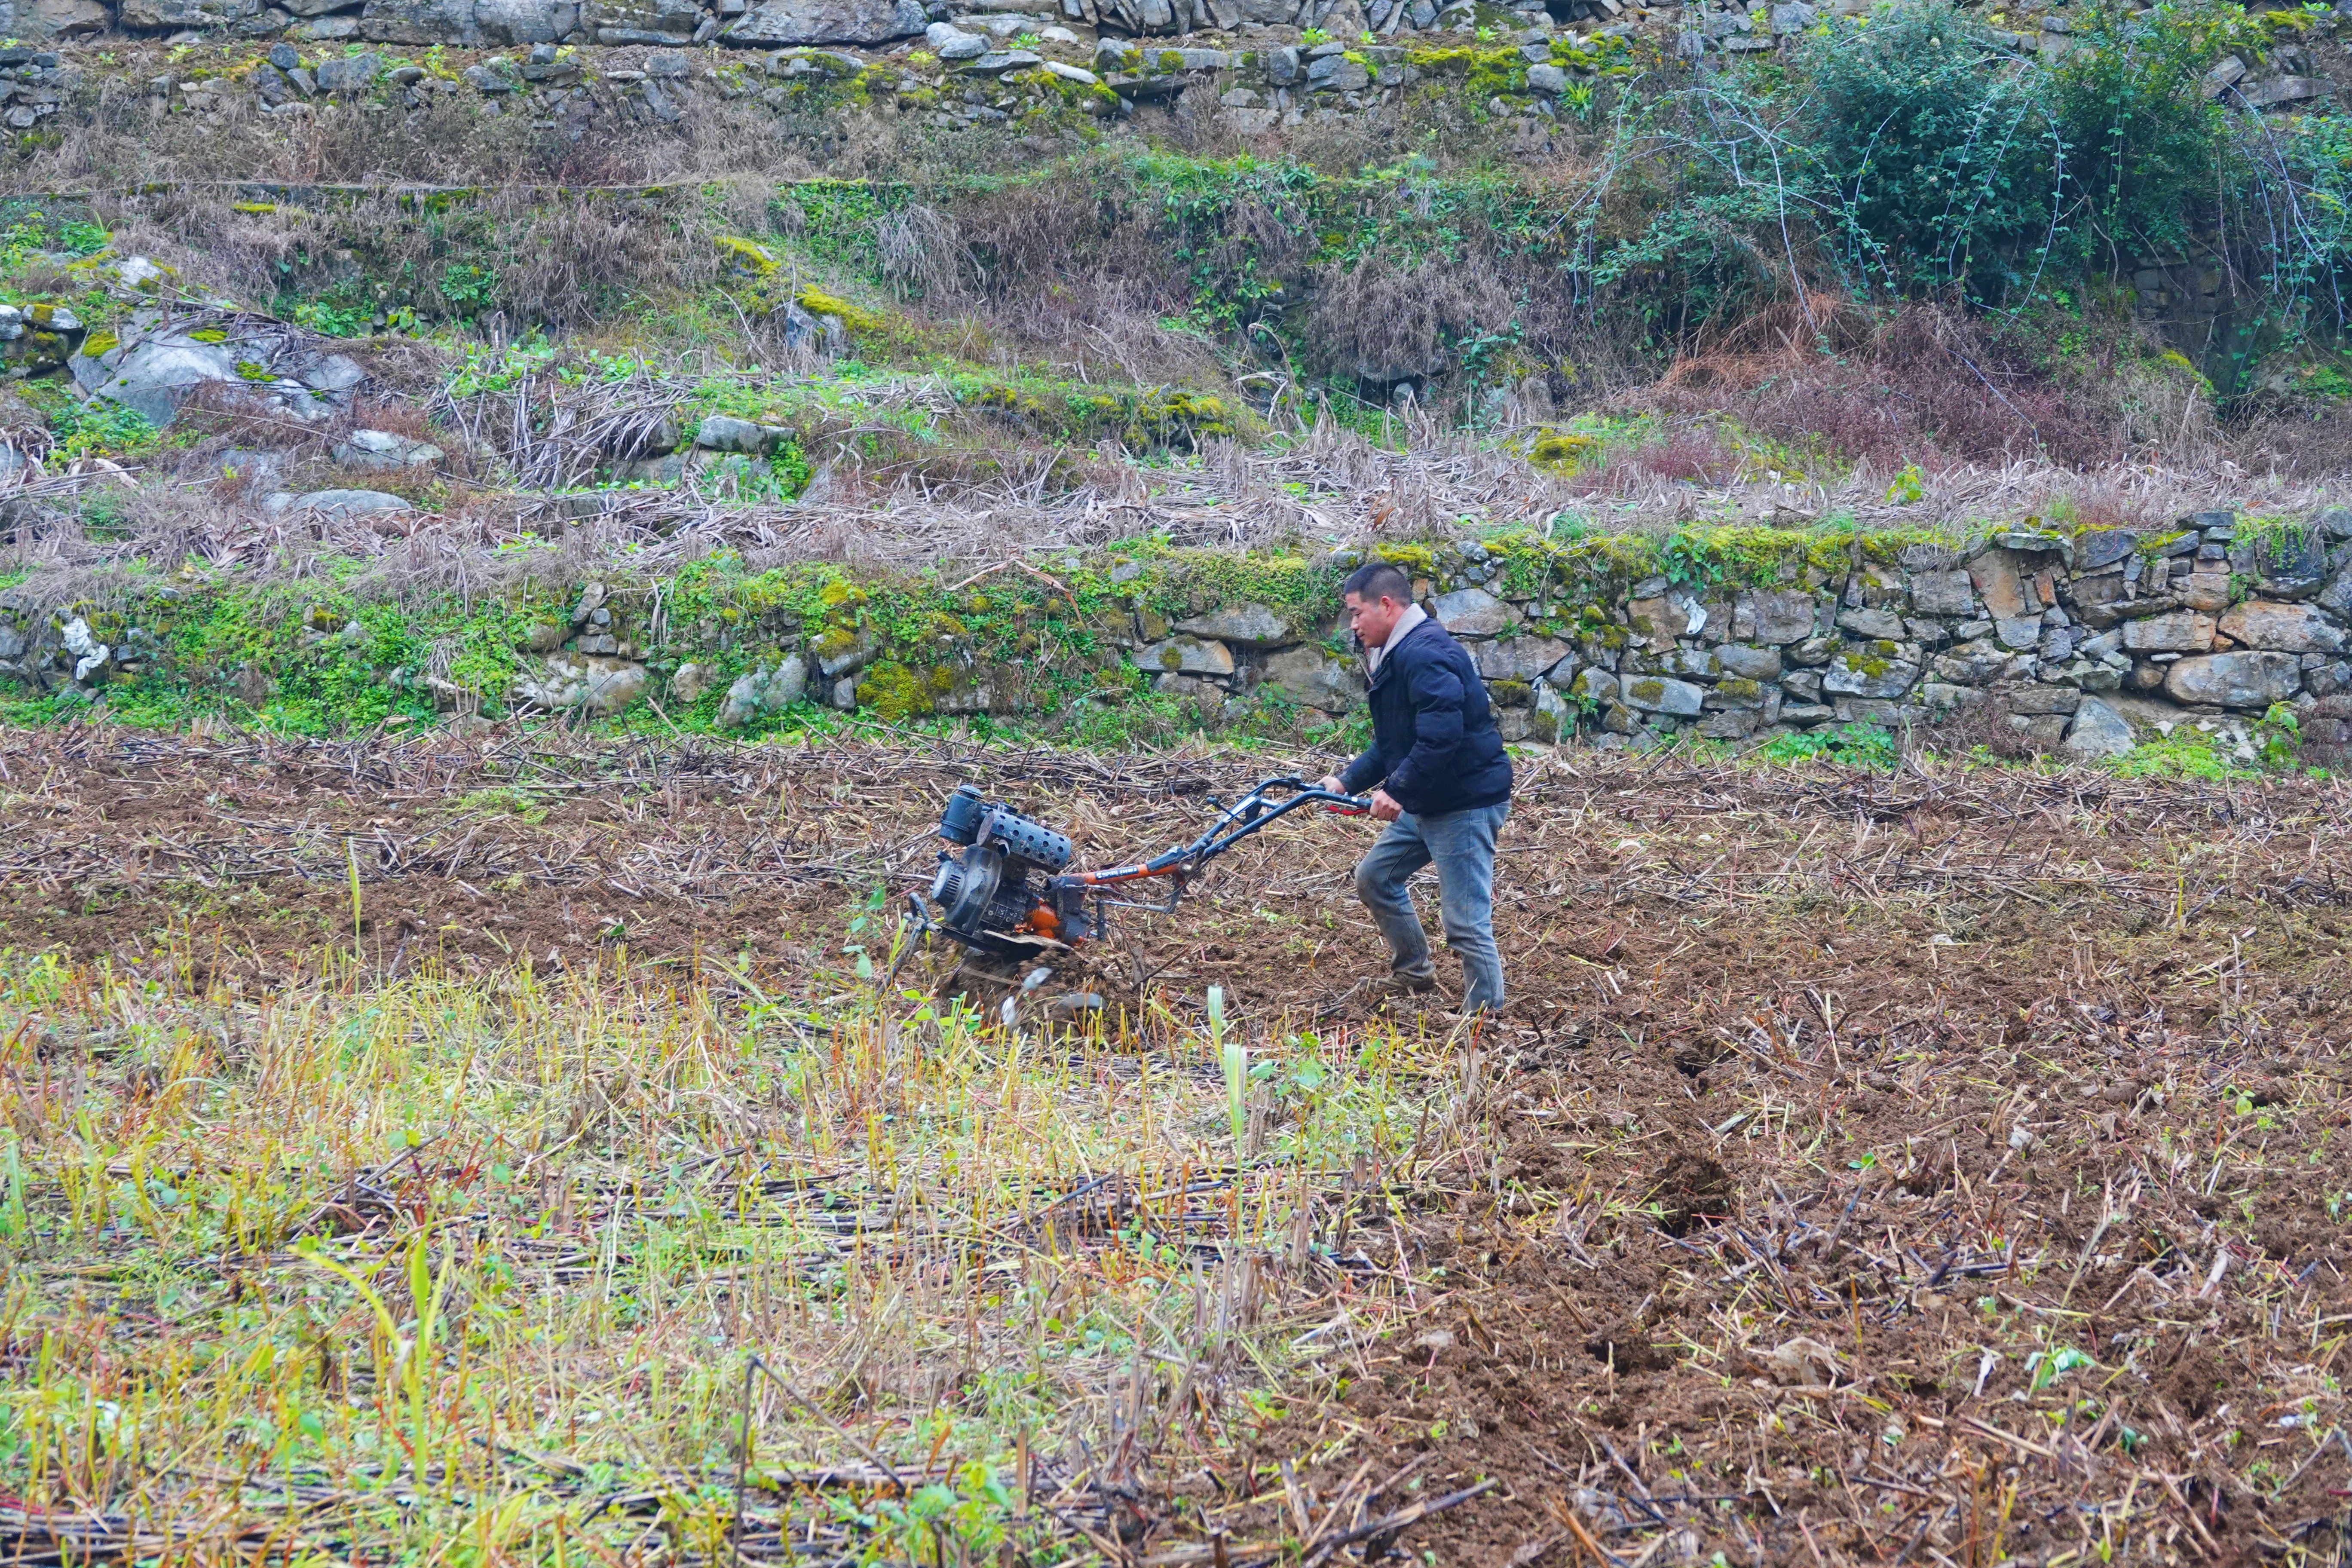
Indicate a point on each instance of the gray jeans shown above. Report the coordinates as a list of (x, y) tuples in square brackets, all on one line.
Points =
[(1462, 843)]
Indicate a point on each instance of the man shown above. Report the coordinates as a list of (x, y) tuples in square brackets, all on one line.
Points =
[(1439, 778)]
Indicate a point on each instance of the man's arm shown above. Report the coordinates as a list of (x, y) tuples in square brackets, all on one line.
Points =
[(1362, 774), (1437, 704)]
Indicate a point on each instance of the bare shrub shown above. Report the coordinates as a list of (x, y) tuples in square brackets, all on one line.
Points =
[(218, 417), (1983, 721), (571, 260), (1924, 385), (921, 253), (1691, 454), (1384, 322), (2301, 439)]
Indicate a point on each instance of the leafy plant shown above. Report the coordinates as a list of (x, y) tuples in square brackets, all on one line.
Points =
[(1863, 745), (2146, 147), (2277, 737), (100, 427), (333, 320)]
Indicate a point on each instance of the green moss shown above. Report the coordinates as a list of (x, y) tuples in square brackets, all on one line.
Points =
[(1415, 560), (1484, 72), (850, 316), (746, 255), (99, 342), (1144, 419), (833, 644), (1563, 451), (895, 692)]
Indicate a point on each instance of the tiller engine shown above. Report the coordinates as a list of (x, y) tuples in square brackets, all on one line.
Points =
[(1002, 891)]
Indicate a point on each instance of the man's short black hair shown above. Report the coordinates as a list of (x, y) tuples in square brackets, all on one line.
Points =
[(1376, 580)]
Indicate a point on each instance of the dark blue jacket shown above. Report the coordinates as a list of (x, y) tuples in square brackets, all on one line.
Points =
[(1435, 744)]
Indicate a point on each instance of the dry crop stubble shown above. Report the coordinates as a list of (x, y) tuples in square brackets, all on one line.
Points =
[(1944, 1164)]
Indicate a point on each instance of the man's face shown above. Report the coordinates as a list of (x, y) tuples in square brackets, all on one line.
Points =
[(1372, 619)]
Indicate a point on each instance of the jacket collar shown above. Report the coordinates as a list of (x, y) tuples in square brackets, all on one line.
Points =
[(1413, 620)]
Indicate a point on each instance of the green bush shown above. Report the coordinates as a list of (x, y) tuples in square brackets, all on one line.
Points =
[(2149, 154), (1932, 148), (98, 429)]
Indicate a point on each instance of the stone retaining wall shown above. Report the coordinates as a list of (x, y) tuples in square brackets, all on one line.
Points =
[(2078, 637), (2081, 638)]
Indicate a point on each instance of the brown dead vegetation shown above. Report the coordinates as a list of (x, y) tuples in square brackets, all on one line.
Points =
[(1751, 1229)]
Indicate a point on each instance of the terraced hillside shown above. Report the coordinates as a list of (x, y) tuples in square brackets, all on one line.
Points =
[(517, 513)]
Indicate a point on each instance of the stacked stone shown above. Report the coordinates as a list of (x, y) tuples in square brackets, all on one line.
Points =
[(2074, 636), (2080, 639)]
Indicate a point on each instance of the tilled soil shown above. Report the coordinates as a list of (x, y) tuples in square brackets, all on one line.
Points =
[(1938, 1166)]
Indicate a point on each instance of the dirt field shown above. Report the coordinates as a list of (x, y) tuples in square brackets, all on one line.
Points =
[(1943, 1166)]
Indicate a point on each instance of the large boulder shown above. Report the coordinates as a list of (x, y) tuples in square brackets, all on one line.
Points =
[(1656, 694), (1864, 674), (417, 22), (2097, 732), (2234, 680), (2283, 627), (1338, 73), (2102, 548), (352, 73), (38, 338), (785, 22), (2006, 587), (593, 682), (1522, 658), (57, 18), (764, 691), (1661, 619), (154, 378), (1247, 623), (1317, 678), (2337, 595), (641, 21), (725, 433), (1774, 616), (337, 503), (1474, 612), (1943, 593), (1186, 655), (524, 22), (187, 13), (2176, 631), (275, 368), (2292, 565), (1872, 622), (1749, 662), (384, 451)]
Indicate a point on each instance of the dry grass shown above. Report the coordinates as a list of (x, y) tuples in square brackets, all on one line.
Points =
[(410, 1147), (1926, 385)]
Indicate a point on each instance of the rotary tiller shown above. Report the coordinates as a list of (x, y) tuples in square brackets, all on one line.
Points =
[(1002, 890)]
